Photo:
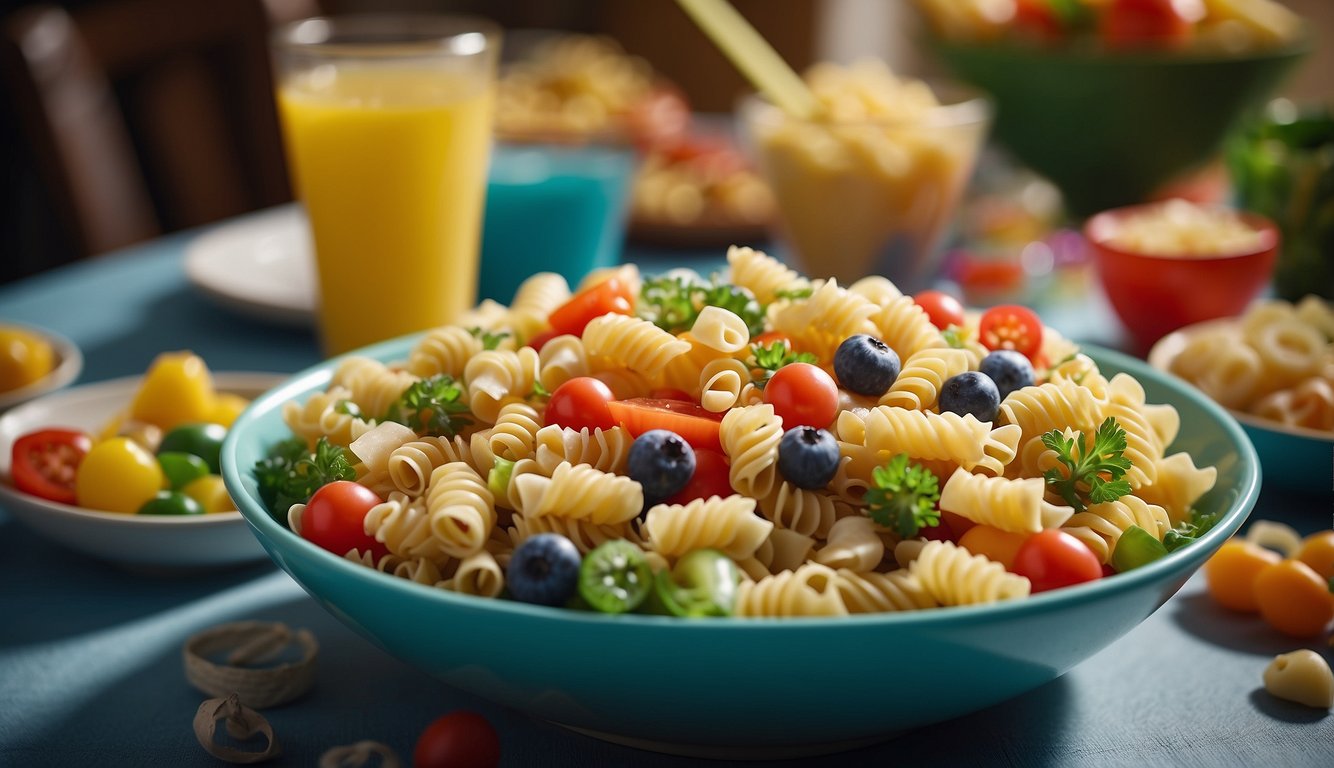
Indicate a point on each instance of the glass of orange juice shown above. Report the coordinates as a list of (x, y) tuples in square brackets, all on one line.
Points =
[(387, 127)]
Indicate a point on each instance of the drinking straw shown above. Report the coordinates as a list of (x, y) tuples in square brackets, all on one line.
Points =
[(752, 54)]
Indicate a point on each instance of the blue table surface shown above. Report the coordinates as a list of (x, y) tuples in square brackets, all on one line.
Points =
[(90, 654)]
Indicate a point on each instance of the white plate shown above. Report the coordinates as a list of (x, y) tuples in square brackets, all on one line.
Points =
[(145, 542), (69, 362), (260, 265)]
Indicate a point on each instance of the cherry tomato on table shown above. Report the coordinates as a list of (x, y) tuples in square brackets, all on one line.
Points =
[(581, 403), (44, 463), (609, 296), (460, 739), (697, 426), (335, 518), (1052, 559), (943, 309), (802, 395), (1011, 326)]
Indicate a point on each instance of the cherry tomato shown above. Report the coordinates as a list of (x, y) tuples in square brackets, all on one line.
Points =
[(1149, 23), (1010, 326), (959, 525), (802, 395), (1230, 574), (1052, 559), (659, 120), (44, 463), (1317, 551), (1294, 599), (710, 479), (943, 309), (460, 739), (335, 518), (994, 544), (695, 425), (671, 393), (938, 532), (581, 403), (610, 295), (538, 341), (769, 338)]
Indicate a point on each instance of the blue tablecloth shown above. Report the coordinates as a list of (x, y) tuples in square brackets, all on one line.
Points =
[(90, 654)]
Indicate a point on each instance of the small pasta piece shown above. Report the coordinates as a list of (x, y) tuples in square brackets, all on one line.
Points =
[(750, 439), (952, 576), (461, 509), (1179, 485), (853, 544), (410, 465), (918, 384), (811, 513), (784, 550), (403, 525), (372, 385), (761, 274), (498, 376), (324, 415), (478, 574), (443, 350), (722, 382), (514, 436), (603, 449), (1302, 676), (534, 301), (1015, 505), (820, 322), (906, 328), (726, 524), (584, 534), (561, 359), (637, 344), (869, 592), (877, 289), (1053, 405), (720, 330), (811, 590), (1101, 525), (580, 492)]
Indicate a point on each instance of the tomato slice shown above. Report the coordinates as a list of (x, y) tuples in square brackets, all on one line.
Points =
[(45, 463), (608, 296), (671, 393), (693, 423), (1011, 326)]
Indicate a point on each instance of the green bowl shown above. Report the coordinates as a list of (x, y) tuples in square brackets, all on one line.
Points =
[(1108, 129), (744, 687)]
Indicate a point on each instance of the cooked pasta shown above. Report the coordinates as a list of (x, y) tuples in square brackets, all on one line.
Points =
[(811, 590), (602, 449), (1101, 525), (952, 576), (461, 509), (761, 274), (499, 376), (1015, 505), (726, 524), (534, 301), (918, 384), (853, 543), (581, 492), (443, 350), (870, 592), (750, 438)]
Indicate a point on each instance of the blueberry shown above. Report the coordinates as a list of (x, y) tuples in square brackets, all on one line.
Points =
[(866, 365), (808, 457), (543, 569), (662, 462), (1009, 369), (970, 392)]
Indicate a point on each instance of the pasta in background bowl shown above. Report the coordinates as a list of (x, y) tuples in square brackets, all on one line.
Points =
[(731, 687)]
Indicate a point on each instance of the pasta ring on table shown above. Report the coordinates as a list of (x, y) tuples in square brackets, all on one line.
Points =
[(247, 642)]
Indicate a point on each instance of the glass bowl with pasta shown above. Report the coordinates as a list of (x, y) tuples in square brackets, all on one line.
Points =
[(1272, 367), (544, 549)]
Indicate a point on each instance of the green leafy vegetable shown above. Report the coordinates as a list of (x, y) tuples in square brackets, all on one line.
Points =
[(794, 293), (290, 474), (489, 340), (769, 359), (431, 406), (904, 497), (1191, 529), (1090, 476), (673, 303)]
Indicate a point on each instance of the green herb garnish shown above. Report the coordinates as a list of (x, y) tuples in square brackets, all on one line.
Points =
[(291, 474), (1191, 529), (904, 497), (489, 340), (673, 303), (793, 294), (431, 406), (955, 336), (1090, 476), (776, 355)]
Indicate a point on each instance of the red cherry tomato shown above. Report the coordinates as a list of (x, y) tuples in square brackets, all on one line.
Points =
[(1010, 326), (939, 532), (769, 338), (802, 395), (335, 518), (943, 309), (1149, 23), (581, 403), (1052, 559), (710, 479), (671, 393), (695, 425), (44, 463), (540, 340), (1035, 20), (609, 296), (460, 739), (958, 524)]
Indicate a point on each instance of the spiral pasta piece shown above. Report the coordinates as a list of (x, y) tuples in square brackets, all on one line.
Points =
[(534, 301), (585, 535), (750, 439), (761, 274), (906, 328), (811, 513), (581, 492), (461, 509), (561, 359), (514, 435), (637, 344), (499, 376), (877, 289), (720, 330), (373, 386), (603, 449), (952, 576), (1101, 525), (870, 592), (728, 524), (1041, 408), (403, 525), (1015, 505), (323, 415), (811, 590), (1179, 485), (410, 465), (918, 384), (722, 382), (853, 543), (944, 436), (819, 323), (443, 350), (478, 574)]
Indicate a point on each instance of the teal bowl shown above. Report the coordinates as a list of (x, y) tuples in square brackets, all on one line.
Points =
[(1110, 128), (744, 688)]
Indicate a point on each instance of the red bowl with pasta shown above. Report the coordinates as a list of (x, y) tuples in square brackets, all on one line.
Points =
[(1169, 264)]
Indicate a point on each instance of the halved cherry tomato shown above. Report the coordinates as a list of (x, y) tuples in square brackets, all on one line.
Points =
[(802, 395), (1053, 558), (44, 463), (539, 340), (1149, 23), (671, 393), (581, 403), (335, 518), (1010, 326), (695, 425), (460, 739), (609, 296), (943, 309), (710, 479)]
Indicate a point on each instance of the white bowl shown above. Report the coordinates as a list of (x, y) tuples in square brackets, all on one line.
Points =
[(69, 363), (141, 541)]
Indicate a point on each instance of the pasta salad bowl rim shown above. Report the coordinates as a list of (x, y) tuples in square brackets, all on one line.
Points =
[(237, 466)]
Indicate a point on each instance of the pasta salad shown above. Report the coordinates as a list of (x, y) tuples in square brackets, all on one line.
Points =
[(751, 444)]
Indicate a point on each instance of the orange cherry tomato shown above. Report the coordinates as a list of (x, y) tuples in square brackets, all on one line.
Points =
[(1294, 599), (802, 395), (695, 425), (606, 297), (993, 544), (1317, 551), (1230, 574)]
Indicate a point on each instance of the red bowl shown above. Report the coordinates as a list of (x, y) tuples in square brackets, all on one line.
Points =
[(1157, 293)]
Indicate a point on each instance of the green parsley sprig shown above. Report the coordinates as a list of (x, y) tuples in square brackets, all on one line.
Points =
[(1089, 475), (1192, 528), (291, 474), (673, 302), (903, 497), (489, 340), (431, 406), (768, 359)]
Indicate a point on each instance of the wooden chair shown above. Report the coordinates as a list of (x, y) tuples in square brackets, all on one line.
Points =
[(147, 116)]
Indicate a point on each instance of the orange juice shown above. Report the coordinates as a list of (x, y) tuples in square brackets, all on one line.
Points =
[(390, 162)]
